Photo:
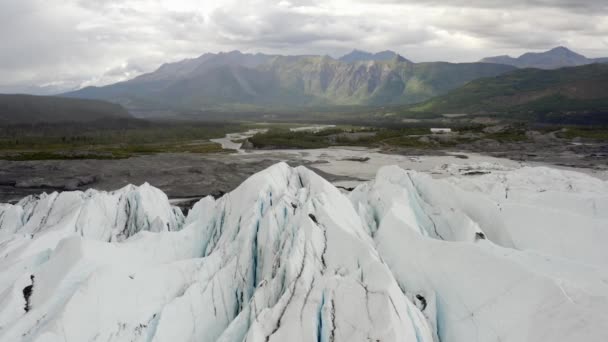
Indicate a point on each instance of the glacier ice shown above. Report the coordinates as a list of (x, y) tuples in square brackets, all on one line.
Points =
[(512, 255), (522, 283)]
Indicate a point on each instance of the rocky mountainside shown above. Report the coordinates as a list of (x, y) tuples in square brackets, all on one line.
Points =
[(328, 81), (555, 58), (510, 255), (235, 80)]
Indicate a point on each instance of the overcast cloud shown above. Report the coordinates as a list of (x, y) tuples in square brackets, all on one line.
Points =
[(63, 44)]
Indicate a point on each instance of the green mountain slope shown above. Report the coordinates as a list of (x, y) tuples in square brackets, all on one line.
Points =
[(16, 109), (582, 89)]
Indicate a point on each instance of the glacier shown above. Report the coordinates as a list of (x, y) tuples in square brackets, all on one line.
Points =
[(508, 255)]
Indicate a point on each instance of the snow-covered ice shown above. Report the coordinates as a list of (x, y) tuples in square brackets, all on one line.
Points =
[(500, 254)]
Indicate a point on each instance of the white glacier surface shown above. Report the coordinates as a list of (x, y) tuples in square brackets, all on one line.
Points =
[(517, 254)]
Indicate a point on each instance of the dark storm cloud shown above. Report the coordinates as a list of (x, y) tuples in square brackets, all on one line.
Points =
[(72, 43)]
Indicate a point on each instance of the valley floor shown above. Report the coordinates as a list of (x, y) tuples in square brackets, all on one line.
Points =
[(188, 175), (195, 175)]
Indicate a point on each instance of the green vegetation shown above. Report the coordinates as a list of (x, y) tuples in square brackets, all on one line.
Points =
[(277, 138), (76, 141), (556, 96), (508, 133), (23, 156), (111, 152), (585, 133), (412, 137), (29, 109), (132, 138)]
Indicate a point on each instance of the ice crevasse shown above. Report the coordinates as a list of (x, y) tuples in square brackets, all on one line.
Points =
[(508, 256)]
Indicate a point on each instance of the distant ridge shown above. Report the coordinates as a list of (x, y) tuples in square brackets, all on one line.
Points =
[(17, 109), (555, 58)]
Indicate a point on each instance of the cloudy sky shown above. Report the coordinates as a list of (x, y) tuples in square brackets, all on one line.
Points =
[(64, 44)]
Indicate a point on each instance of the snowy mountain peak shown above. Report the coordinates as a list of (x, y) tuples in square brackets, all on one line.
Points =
[(287, 256)]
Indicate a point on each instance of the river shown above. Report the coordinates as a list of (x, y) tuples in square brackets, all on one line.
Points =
[(362, 163)]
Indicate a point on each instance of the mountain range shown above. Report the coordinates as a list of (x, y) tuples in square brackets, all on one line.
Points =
[(235, 80), (558, 57)]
